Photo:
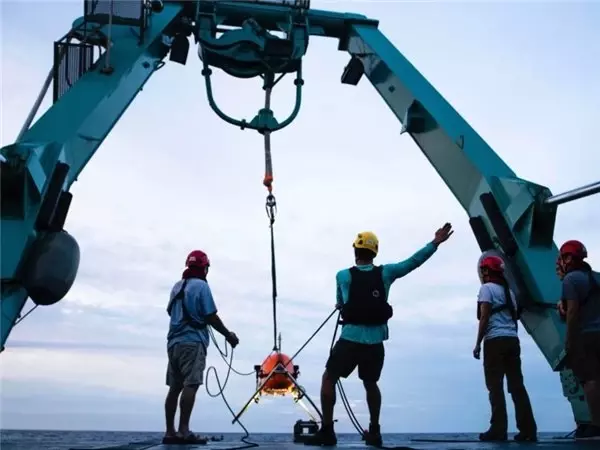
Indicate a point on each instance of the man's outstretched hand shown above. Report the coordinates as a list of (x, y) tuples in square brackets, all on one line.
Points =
[(443, 234), (232, 339)]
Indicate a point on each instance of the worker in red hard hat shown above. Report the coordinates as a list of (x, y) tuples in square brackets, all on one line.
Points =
[(362, 297), (191, 309), (498, 314), (580, 307)]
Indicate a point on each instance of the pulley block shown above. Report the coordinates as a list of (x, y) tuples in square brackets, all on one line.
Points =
[(251, 50)]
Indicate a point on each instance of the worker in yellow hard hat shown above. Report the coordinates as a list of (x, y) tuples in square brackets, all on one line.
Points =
[(362, 297)]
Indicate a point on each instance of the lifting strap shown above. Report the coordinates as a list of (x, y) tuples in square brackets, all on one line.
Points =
[(271, 208), (187, 318)]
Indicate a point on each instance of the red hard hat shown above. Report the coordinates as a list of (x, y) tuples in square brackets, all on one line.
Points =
[(493, 264), (197, 258), (575, 248)]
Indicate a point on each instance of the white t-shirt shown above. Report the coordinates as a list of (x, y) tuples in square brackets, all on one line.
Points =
[(501, 323)]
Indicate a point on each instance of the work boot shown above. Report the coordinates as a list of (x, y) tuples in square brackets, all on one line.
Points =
[(493, 436), (580, 430), (373, 436), (590, 432), (324, 437), (526, 437)]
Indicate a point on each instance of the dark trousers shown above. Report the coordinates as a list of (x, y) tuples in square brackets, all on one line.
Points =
[(502, 356), (584, 358)]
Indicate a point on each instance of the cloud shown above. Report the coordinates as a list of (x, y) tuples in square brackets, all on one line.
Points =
[(172, 176)]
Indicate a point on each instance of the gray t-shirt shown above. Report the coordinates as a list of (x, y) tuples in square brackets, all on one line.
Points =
[(576, 286), (501, 324)]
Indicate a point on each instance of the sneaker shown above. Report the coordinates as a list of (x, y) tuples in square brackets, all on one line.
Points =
[(373, 436), (525, 437), (493, 436), (324, 437)]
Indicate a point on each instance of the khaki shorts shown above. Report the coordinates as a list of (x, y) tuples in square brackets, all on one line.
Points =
[(186, 365)]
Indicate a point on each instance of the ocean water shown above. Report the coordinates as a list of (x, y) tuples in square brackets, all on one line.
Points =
[(65, 440)]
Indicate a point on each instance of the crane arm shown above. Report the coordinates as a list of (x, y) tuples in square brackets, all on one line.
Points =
[(508, 215), (90, 95), (84, 116)]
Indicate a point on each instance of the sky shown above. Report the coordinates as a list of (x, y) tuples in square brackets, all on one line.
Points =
[(172, 177)]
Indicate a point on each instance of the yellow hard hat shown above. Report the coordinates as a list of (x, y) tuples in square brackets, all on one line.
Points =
[(368, 240)]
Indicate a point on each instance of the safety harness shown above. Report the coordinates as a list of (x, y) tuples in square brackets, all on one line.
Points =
[(187, 318), (507, 305), (367, 299)]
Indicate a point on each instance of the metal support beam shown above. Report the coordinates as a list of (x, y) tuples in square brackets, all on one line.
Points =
[(36, 105), (300, 4), (574, 194)]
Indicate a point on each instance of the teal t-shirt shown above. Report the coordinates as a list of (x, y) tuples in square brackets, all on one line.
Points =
[(391, 272)]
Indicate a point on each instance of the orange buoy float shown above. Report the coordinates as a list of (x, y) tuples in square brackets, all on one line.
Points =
[(280, 382)]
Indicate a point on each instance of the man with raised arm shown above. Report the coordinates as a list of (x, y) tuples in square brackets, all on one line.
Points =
[(362, 296)]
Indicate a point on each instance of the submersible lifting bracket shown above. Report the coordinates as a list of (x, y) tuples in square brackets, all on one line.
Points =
[(285, 376), (262, 379), (94, 87)]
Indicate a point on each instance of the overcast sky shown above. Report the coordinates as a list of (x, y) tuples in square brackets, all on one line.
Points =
[(172, 177)]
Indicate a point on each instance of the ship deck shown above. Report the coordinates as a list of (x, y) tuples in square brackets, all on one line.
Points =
[(420, 442)]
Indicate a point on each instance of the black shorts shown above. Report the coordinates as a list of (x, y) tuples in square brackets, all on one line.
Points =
[(346, 355)]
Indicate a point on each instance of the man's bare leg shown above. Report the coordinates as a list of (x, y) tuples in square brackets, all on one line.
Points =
[(373, 401), (186, 405), (328, 399), (171, 410), (326, 434)]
